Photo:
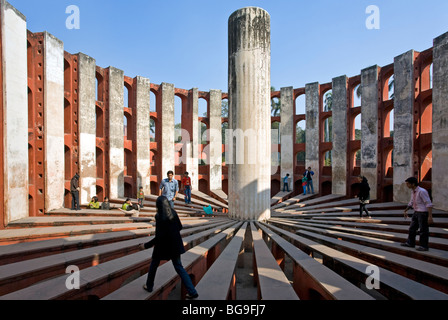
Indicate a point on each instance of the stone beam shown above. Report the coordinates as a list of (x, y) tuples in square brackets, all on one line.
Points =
[(440, 126), (87, 131), (54, 123), (312, 131), (249, 114), (287, 134), (15, 113), (340, 139), (369, 126), (215, 140), (403, 124), (143, 134), (116, 133), (166, 114)]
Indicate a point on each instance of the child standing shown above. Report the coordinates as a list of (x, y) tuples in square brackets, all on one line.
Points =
[(304, 184), (186, 186), (141, 197)]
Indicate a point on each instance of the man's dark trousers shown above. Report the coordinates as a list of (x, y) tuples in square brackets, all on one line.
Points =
[(75, 200), (419, 221)]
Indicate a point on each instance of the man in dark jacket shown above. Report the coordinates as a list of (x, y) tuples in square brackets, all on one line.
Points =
[(364, 196), (74, 190), (168, 245)]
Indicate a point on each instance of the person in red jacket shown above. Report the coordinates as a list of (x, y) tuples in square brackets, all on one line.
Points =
[(186, 187)]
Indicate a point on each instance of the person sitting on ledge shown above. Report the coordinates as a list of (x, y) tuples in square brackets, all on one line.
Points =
[(94, 204), (106, 204), (130, 209)]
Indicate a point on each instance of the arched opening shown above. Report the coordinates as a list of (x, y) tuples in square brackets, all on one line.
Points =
[(426, 166), (177, 119), (431, 75), (99, 163), (357, 132), (99, 122), (154, 187), (152, 101), (389, 124), (389, 88), (128, 127), (100, 193), (328, 129), (67, 117), (388, 193), (127, 95), (276, 107), (356, 94), (30, 109), (326, 188), (224, 128), (203, 186), (276, 159), (275, 187), (301, 132), (31, 162), (425, 123), (327, 159), (152, 129), (301, 160), (128, 162), (225, 108), (301, 105), (202, 133), (275, 133), (202, 108), (99, 87), (128, 190), (328, 101), (67, 162), (388, 165)]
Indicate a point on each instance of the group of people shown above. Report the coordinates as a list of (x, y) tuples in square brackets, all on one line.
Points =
[(168, 244), (307, 182), (420, 202), (169, 188)]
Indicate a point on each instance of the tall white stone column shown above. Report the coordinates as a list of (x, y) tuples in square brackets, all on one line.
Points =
[(250, 114), (403, 124), (15, 113), (287, 134), (192, 147), (54, 123), (312, 132), (340, 140), (369, 127), (87, 128), (440, 125), (116, 133), (143, 134), (215, 140), (167, 117)]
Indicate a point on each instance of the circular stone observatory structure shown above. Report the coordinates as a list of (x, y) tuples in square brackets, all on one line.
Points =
[(249, 115)]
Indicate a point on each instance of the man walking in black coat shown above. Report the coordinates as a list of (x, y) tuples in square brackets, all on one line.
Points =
[(168, 245)]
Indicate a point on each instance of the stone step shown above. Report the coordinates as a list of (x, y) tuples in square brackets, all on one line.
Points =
[(23, 274), (37, 249), (12, 236), (392, 285)]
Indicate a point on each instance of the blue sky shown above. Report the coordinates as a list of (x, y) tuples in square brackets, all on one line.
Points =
[(185, 42)]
